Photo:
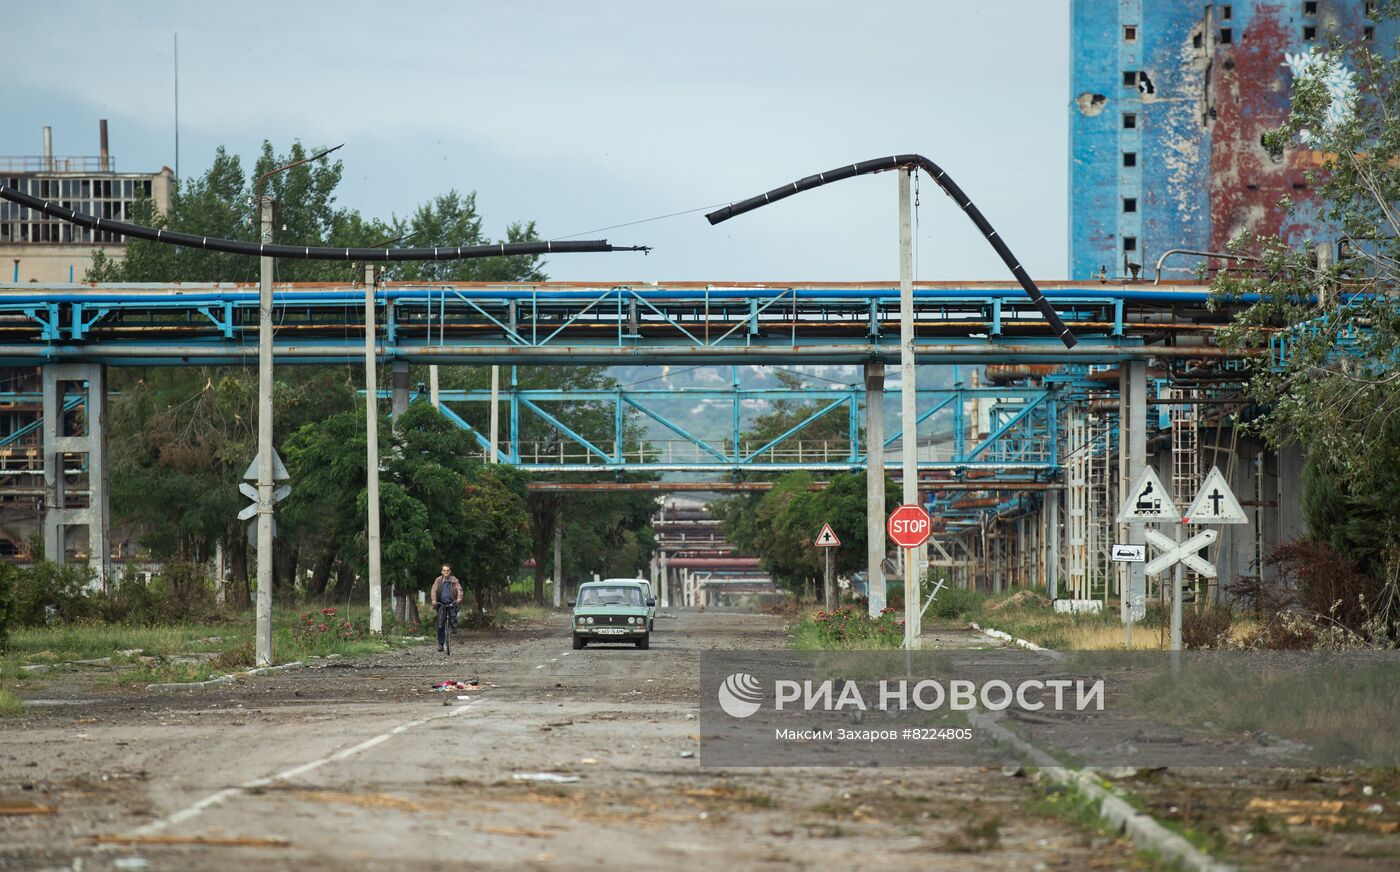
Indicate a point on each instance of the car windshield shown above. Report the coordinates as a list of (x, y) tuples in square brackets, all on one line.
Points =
[(610, 596)]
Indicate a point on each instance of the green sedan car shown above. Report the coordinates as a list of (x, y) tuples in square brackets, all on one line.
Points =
[(611, 611)]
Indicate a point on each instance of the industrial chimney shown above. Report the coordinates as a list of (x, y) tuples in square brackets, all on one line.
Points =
[(48, 149), (103, 163)]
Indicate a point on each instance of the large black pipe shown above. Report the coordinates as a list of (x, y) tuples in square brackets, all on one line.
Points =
[(303, 252), (881, 164)]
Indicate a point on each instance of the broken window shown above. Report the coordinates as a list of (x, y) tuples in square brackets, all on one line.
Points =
[(1227, 36), (1370, 8), (1129, 158), (1309, 33), (1310, 7), (1130, 78), (1368, 33), (1198, 41), (1130, 204), (1129, 120), (1226, 13), (1130, 243), (1130, 33)]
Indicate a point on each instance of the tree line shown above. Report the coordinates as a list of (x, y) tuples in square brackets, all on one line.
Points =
[(180, 438)]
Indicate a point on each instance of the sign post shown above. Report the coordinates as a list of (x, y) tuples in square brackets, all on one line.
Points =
[(1147, 501), (909, 526), (827, 541)]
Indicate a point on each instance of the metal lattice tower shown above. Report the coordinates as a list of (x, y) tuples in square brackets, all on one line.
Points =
[(1077, 505)]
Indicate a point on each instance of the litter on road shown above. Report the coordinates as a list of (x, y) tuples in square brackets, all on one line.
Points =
[(452, 684), (13, 807), (191, 840), (546, 777)]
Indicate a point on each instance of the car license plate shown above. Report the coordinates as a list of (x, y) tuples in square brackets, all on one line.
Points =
[(611, 631)]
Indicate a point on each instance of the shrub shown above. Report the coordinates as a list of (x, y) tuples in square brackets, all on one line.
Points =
[(8, 606), (851, 627), (1207, 628), (49, 593), (1328, 583)]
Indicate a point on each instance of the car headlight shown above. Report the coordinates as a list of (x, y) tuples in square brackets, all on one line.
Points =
[(588, 620), (631, 620)]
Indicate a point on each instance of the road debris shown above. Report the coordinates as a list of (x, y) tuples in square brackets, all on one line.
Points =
[(453, 684), (207, 841), (16, 807), (363, 800), (545, 777)]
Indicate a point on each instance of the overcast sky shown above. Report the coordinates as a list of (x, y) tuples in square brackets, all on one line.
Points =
[(584, 115)]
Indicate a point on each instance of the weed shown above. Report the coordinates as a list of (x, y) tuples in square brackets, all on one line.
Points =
[(10, 705)]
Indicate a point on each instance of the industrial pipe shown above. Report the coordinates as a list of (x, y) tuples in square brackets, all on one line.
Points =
[(949, 187), (814, 353), (305, 252)]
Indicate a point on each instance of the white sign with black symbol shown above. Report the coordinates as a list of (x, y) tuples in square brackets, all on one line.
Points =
[(1129, 553), (827, 538), (1215, 503), (1148, 501)]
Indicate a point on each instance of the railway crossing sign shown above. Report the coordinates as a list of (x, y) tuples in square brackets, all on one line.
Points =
[(827, 538), (1214, 503), (1148, 501), (1173, 552), (909, 526)]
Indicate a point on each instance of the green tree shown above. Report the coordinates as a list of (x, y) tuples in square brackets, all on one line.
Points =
[(780, 525), (1336, 391), (182, 437)]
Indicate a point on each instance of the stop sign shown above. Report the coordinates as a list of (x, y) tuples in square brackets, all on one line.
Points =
[(909, 526)]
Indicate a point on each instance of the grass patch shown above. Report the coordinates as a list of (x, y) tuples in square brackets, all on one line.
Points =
[(232, 641), (1073, 805), (10, 705)]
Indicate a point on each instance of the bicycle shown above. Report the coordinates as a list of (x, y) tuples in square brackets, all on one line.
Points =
[(449, 622)]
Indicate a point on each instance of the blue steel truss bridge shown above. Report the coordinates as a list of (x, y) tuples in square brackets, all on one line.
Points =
[(1008, 438)]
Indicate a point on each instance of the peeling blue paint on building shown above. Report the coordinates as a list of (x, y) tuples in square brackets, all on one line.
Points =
[(1170, 100)]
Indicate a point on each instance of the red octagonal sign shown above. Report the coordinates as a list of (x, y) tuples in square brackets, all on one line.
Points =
[(909, 526)]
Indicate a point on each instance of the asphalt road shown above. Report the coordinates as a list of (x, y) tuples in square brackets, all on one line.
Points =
[(359, 765)]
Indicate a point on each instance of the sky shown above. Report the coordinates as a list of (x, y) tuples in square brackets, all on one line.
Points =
[(586, 115)]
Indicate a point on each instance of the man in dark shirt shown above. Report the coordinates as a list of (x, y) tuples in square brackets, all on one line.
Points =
[(446, 597)]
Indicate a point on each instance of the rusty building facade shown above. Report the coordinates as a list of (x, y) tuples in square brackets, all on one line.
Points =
[(1170, 103)]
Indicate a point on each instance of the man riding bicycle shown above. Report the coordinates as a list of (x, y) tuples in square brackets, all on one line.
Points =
[(446, 597)]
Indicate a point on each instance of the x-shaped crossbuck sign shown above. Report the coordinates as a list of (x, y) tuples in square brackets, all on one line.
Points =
[(1180, 552)]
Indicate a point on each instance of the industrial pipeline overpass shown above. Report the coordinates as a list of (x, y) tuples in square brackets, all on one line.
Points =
[(1021, 471)]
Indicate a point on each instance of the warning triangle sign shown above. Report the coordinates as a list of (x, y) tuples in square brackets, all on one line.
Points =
[(1214, 503), (1148, 501), (827, 537)]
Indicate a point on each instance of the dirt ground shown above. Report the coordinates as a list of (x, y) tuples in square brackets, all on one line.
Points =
[(358, 764)]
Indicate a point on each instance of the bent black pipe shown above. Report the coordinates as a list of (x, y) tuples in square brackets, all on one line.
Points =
[(949, 187), (303, 252)]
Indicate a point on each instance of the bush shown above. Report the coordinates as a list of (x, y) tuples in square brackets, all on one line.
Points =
[(180, 594), (52, 593), (851, 627), (1207, 628), (8, 606), (1328, 583)]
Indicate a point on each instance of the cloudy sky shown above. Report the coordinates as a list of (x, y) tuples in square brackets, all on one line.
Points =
[(585, 115)]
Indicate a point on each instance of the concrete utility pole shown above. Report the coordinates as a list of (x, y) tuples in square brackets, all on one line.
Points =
[(376, 599), (1136, 437), (263, 647), (558, 556), (909, 408), (875, 484), (495, 455)]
